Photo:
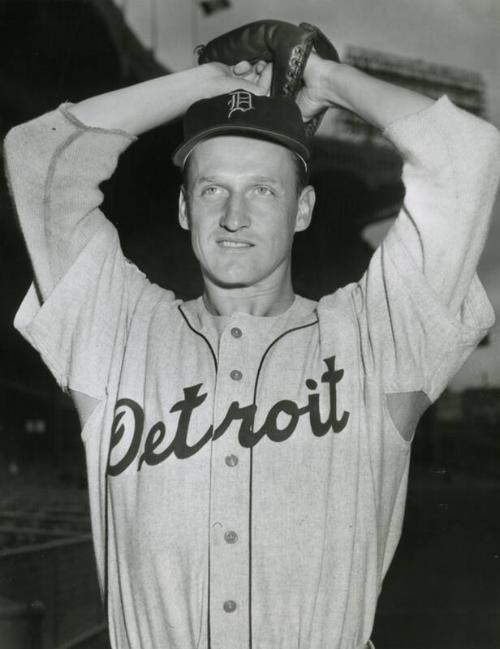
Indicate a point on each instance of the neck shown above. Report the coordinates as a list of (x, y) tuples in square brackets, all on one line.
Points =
[(254, 300)]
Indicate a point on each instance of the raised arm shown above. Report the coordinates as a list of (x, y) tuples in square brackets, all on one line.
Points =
[(144, 106), (336, 84), (56, 162), (450, 172)]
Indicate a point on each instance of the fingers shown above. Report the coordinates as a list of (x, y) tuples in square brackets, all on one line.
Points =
[(245, 67), (260, 66), (242, 68), (265, 78), (259, 74)]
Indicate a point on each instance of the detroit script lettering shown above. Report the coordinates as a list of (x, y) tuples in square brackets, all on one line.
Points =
[(154, 451)]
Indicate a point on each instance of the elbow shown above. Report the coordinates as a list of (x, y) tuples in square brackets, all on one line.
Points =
[(485, 143), (479, 167), (13, 141), (496, 150), (491, 144), (17, 153), (26, 156), (11, 153)]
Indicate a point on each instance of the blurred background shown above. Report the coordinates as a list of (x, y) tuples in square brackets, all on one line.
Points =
[(443, 588)]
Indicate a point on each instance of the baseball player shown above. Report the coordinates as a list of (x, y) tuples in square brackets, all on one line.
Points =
[(248, 450)]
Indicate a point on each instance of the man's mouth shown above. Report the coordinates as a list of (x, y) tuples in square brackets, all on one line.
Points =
[(231, 243)]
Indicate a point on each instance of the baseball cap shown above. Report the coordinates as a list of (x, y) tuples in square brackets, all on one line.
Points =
[(276, 119)]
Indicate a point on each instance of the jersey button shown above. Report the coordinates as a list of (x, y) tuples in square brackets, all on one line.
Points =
[(229, 606), (230, 537), (231, 460), (236, 332), (236, 375)]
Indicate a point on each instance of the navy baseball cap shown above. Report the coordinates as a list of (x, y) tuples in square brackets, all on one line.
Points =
[(276, 119)]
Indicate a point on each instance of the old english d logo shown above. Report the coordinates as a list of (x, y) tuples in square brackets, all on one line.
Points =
[(241, 100)]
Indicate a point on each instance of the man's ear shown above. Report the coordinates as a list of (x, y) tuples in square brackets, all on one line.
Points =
[(183, 209), (305, 208)]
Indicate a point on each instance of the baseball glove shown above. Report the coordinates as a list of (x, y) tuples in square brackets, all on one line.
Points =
[(286, 45)]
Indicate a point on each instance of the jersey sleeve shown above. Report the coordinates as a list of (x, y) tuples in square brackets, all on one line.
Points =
[(420, 306), (84, 292), (410, 339)]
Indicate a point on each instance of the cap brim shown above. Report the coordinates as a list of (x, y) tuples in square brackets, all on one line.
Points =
[(182, 152)]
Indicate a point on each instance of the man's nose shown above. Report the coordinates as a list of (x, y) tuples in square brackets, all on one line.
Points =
[(235, 214)]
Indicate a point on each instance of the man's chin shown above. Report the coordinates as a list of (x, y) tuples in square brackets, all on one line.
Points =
[(232, 281)]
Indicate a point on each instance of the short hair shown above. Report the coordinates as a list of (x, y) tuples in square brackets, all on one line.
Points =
[(301, 172)]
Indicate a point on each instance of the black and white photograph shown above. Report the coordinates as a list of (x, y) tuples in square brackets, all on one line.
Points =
[(250, 340)]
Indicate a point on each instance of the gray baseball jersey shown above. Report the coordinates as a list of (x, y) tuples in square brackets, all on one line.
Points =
[(246, 478)]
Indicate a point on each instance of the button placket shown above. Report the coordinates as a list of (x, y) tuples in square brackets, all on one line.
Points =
[(229, 578)]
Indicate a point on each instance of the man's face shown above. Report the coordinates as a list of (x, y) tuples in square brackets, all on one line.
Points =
[(242, 209)]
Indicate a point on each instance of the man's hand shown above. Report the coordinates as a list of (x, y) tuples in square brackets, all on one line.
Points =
[(255, 78), (329, 84), (315, 96)]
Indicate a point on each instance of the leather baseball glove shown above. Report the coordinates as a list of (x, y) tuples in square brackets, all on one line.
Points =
[(285, 44)]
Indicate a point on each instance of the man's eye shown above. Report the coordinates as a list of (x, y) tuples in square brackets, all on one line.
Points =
[(211, 190), (262, 190)]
